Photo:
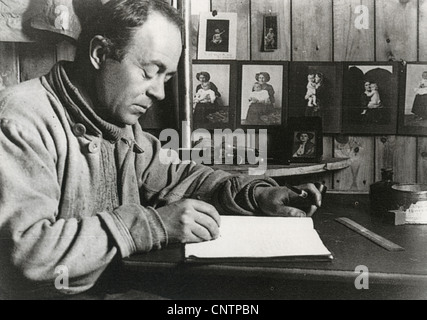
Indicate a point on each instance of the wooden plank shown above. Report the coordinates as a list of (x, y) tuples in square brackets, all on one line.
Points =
[(421, 30), (398, 153), (352, 43), (9, 74), (261, 8), (36, 59), (360, 175), (295, 169), (328, 152), (242, 7), (312, 30), (422, 160), (195, 20), (66, 51), (397, 30)]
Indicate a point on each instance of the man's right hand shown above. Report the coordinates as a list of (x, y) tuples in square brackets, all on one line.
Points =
[(189, 221)]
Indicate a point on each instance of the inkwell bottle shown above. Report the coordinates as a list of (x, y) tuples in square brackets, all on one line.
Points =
[(380, 194)]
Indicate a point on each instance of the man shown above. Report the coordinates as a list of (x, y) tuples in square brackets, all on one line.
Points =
[(82, 186)]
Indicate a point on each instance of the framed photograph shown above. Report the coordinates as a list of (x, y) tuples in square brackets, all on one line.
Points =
[(316, 91), (262, 95), (304, 140), (413, 103), (214, 94), (217, 36), (270, 35), (370, 98)]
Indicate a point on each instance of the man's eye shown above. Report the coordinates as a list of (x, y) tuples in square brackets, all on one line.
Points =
[(146, 75)]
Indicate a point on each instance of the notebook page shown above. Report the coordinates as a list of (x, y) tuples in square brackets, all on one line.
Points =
[(261, 237)]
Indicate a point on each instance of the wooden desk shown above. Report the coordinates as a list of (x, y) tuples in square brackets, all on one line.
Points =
[(393, 275)]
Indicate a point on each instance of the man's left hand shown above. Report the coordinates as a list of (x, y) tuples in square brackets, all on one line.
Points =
[(281, 201)]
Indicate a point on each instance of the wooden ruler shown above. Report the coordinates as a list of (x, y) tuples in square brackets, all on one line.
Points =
[(382, 242)]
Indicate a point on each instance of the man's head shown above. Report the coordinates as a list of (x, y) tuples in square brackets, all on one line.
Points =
[(133, 48)]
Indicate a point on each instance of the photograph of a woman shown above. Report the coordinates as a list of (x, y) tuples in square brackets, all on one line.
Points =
[(419, 108), (261, 102), (315, 92), (413, 114), (211, 95), (304, 145), (370, 97)]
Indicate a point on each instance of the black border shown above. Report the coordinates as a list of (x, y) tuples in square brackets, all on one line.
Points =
[(332, 128), (285, 91), (232, 92), (304, 124), (373, 129), (402, 129)]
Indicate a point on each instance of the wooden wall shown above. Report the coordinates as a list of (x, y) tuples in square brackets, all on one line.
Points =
[(324, 30), (313, 30)]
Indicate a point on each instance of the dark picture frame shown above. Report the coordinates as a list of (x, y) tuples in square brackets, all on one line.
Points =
[(221, 113), (270, 34), (315, 91), (413, 99), (262, 94), (370, 97), (304, 140)]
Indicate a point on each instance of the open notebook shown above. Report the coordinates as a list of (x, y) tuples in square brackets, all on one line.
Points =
[(261, 238)]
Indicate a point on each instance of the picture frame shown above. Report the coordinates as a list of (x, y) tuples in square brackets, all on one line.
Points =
[(219, 77), (413, 99), (270, 33), (304, 140), (262, 94), (315, 91), (217, 36), (367, 110)]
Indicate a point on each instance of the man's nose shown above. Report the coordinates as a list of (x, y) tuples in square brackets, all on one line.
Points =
[(157, 89)]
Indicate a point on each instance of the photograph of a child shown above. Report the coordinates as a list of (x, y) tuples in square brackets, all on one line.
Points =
[(304, 144), (211, 88), (270, 42), (370, 99), (416, 96), (261, 101), (217, 39), (315, 92)]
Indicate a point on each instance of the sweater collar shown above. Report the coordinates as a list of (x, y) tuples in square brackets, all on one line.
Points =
[(78, 108)]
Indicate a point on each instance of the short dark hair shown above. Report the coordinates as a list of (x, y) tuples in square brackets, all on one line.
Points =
[(118, 20)]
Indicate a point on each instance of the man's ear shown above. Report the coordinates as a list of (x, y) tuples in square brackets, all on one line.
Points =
[(98, 51)]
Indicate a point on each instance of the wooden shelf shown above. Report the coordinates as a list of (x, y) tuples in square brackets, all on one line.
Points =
[(295, 169)]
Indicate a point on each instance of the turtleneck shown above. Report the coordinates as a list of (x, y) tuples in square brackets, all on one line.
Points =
[(79, 108)]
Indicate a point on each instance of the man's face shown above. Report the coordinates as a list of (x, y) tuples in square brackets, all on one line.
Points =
[(127, 89)]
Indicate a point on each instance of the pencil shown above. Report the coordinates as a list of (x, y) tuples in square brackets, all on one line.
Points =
[(301, 193)]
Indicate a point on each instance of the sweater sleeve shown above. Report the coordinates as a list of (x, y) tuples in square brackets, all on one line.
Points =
[(34, 242), (162, 184)]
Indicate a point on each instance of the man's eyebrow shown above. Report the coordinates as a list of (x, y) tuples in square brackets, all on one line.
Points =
[(163, 68)]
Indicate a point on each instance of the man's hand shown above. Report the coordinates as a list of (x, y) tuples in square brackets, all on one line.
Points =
[(281, 201), (190, 221)]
